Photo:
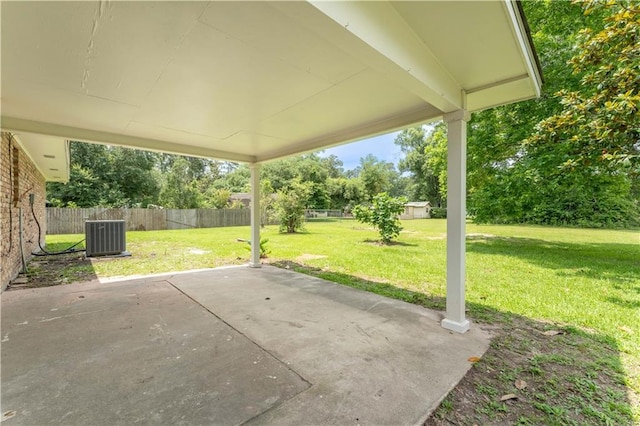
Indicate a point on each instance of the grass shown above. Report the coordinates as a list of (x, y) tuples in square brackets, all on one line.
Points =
[(582, 284)]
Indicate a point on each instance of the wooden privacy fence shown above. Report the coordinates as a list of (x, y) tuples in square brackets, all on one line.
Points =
[(71, 220)]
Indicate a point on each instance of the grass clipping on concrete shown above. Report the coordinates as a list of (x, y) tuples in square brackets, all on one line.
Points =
[(563, 304)]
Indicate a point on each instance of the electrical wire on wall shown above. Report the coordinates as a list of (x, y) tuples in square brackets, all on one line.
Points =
[(42, 251), (11, 205), (10, 157)]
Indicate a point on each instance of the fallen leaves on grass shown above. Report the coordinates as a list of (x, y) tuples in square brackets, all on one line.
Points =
[(520, 384), (626, 329), (473, 359), (508, 397)]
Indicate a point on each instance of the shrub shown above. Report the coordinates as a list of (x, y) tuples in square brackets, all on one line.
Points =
[(264, 250), (383, 215), (290, 206), (438, 213)]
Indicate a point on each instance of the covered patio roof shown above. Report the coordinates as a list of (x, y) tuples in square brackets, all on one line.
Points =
[(251, 81), (256, 81)]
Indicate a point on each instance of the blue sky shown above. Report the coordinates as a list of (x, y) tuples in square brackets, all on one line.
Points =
[(380, 146)]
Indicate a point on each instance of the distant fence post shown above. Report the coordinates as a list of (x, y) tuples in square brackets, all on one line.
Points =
[(71, 220), (322, 213)]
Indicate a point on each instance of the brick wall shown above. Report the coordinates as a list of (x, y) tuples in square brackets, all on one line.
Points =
[(18, 178)]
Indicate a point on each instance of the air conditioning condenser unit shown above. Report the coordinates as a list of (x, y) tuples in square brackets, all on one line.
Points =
[(105, 237)]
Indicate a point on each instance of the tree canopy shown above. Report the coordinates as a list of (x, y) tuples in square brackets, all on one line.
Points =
[(119, 177), (568, 158), (600, 121)]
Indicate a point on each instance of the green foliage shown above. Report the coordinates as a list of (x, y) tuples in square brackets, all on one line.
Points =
[(345, 193), (376, 175), (217, 198), (106, 176), (267, 203), (180, 190), (132, 171), (329, 187), (237, 204), (600, 121), (438, 213), (535, 161), (309, 168), (435, 151), (291, 204), (264, 250), (114, 177), (333, 165), (383, 215), (425, 157), (83, 189), (236, 178)]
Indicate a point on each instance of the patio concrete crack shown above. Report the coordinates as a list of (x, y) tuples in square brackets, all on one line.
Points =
[(271, 354)]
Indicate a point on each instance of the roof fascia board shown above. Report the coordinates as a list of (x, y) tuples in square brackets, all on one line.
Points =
[(522, 35), (95, 136), (502, 94), (376, 34)]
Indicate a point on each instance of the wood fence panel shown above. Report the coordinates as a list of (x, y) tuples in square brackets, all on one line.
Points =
[(63, 221), (71, 220), (181, 219), (238, 217), (211, 218), (146, 220)]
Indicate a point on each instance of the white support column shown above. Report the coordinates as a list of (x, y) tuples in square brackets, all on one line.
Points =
[(254, 262), (456, 215)]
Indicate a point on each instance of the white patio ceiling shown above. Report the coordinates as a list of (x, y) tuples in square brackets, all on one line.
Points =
[(250, 81)]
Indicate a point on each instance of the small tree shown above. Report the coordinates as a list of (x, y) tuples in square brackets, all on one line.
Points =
[(382, 214), (290, 206)]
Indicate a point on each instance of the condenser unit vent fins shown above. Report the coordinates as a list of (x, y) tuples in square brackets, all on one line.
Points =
[(105, 237)]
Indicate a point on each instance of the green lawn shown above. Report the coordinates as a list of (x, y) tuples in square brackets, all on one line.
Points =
[(580, 280)]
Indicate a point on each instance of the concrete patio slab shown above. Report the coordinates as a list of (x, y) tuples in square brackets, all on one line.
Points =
[(226, 346)]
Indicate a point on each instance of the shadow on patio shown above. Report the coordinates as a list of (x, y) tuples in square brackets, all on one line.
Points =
[(286, 362), (569, 374), (225, 346)]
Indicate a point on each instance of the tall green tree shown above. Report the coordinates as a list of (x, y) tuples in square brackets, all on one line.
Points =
[(310, 168), (425, 158), (345, 193), (180, 191), (333, 165), (235, 179), (600, 121), (561, 159), (377, 175), (102, 175), (133, 173), (495, 149), (290, 206), (267, 203)]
